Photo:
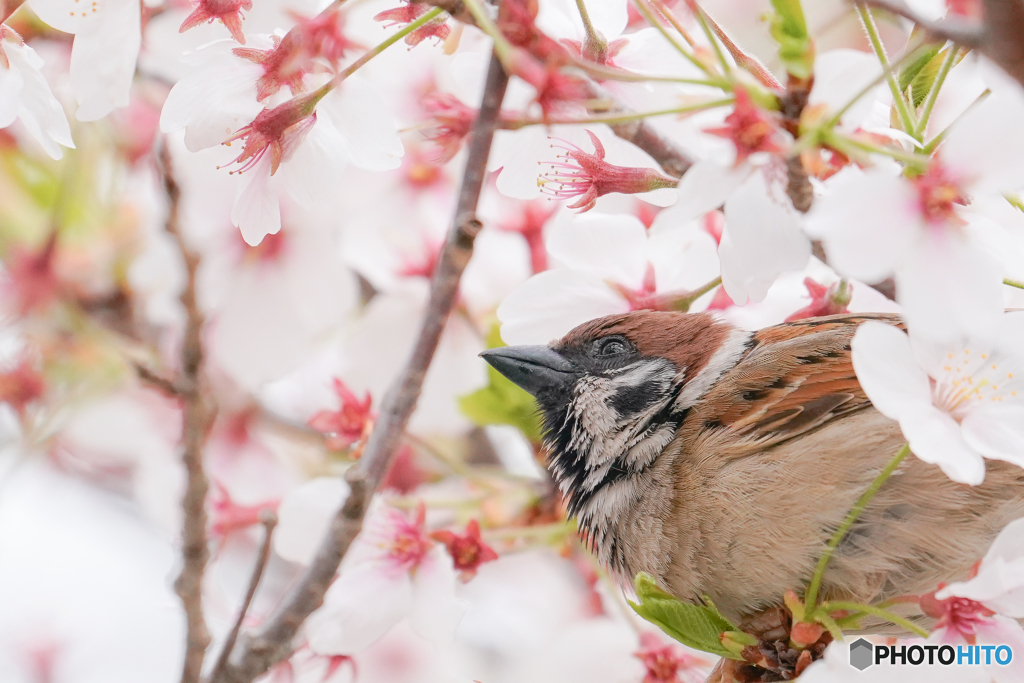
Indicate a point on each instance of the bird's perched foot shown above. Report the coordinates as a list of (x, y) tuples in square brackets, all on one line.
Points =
[(776, 657)]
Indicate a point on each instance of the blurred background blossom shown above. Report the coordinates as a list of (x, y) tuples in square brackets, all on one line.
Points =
[(155, 171)]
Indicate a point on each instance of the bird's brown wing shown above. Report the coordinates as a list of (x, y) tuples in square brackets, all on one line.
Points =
[(801, 380)]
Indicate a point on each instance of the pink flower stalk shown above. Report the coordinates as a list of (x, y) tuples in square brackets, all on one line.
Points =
[(534, 217), (665, 663), (468, 550), (750, 129), (229, 12), (21, 386), (350, 423), (408, 13), (589, 176), (516, 21), (825, 300), (451, 121), (279, 130), (960, 618), (227, 516), (284, 65)]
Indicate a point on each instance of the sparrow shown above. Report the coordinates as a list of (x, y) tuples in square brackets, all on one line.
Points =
[(721, 461)]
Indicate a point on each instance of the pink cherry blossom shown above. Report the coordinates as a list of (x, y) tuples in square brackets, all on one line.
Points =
[(393, 571)]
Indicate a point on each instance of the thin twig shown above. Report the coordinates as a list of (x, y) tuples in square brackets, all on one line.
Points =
[(269, 520), (198, 415), (273, 643)]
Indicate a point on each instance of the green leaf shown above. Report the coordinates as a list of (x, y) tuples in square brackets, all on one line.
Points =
[(789, 29), (501, 402), (695, 626), (925, 78), (910, 71)]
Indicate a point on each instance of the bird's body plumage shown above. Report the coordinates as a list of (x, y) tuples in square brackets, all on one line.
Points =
[(721, 462)]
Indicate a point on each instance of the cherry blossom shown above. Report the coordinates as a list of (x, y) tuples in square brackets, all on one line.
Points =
[(108, 36), (984, 609), (25, 95), (956, 403), (577, 173), (392, 571), (931, 230), (606, 264)]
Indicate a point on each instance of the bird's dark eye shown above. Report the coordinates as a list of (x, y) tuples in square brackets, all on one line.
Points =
[(612, 346)]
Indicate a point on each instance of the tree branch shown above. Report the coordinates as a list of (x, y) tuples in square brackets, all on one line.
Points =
[(273, 642), (269, 520), (998, 36), (197, 419)]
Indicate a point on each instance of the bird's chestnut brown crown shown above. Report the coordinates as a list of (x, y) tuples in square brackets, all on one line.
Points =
[(609, 392)]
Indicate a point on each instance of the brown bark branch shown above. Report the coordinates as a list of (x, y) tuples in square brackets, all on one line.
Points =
[(269, 520), (273, 643), (999, 36), (197, 419)]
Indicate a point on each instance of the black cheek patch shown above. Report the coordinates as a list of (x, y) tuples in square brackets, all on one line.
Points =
[(633, 399)]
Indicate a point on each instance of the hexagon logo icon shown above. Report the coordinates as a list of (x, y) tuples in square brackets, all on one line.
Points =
[(862, 654)]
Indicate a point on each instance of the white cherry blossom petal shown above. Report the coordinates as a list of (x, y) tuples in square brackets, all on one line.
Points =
[(551, 303), (103, 60), (366, 125), (997, 432), (362, 605), (868, 222), (950, 288), (305, 515), (762, 239), (437, 611), (256, 212), (935, 437), (612, 246), (887, 369)]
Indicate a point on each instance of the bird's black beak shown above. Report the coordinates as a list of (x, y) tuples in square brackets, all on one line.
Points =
[(534, 368)]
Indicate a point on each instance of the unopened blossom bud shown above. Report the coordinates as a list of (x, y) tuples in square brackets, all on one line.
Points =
[(279, 130), (589, 176), (410, 12), (229, 12), (750, 128), (468, 550)]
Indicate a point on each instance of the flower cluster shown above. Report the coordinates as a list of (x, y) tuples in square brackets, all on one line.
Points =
[(228, 258)]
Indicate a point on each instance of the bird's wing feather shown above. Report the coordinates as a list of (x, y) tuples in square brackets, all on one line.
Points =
[(800, 381)]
